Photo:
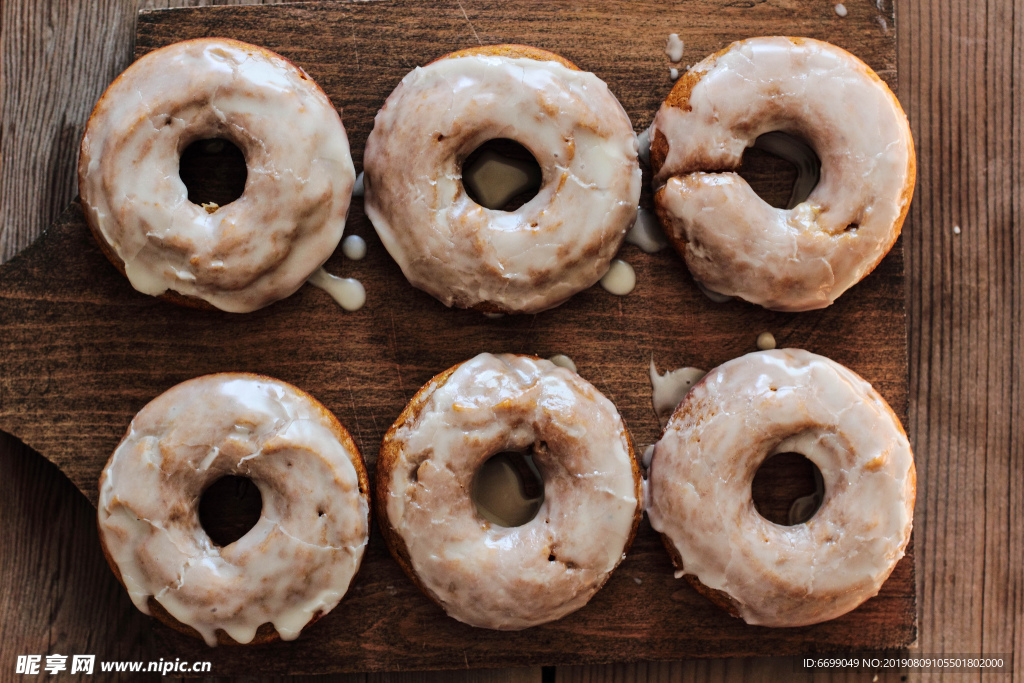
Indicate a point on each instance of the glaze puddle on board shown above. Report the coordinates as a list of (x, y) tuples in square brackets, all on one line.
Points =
[(348, 292), (646, 233), (669, 388), (620, 278)]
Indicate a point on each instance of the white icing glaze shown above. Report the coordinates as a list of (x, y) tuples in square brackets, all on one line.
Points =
[(648, 454), (513, 578), (674, 47), (956, 229), (646, 232), (354, 247), (840, 9), (668, 389), (348, 292), (766, 341), (563, 361), (260, 247), (673, 73), (714, 296), (620, 278), (643, 142), (743, 412), (522, 261), (357, 189), (294, 564), (732, 240), (495, 179)]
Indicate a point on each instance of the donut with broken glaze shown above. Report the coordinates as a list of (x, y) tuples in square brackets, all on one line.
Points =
[(524, 261), (286, 572), (734, 242), (262, 246), (699, 488), (487, 575)]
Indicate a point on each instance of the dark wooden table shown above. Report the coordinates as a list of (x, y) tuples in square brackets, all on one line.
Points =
[(959, 64)]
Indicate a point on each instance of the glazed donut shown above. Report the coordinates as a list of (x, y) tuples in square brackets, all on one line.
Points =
[(561, 241), (487, 575), (259, 248), (299, 559), (735, 243), (699, 487)]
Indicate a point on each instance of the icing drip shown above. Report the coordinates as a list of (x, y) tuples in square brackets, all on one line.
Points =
[(766, 341), (646, 232), (563, 361), (353, 247), (714, 296), (643, 142), (348, 292), (668, 389), (648, 456), (674, 47), (620, 278)]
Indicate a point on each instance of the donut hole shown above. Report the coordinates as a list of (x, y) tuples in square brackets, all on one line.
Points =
[(787, 489), (229, 508), (508, 489), (501, 175), (213, 171), (781, 168)]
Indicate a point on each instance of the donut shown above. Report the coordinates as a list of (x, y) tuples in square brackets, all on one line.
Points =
[(524, 261), (244, 255), (483, 574), (736, 244), (299, 559), (699, 488)]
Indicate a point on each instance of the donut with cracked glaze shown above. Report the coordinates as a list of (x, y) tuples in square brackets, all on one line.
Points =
[(299, 559), (262, 246), (480, 573), (734, 242), (699, 488), (558, 243)]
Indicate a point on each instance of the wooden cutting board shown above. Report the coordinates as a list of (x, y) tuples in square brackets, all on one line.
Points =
[(81, 352)]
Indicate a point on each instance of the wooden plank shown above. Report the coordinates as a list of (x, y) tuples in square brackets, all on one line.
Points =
[(56, 61), (962, 66), (103, 296)]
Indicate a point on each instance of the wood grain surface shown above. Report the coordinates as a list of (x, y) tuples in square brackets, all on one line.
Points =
[(966, 116), (82, 352)]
